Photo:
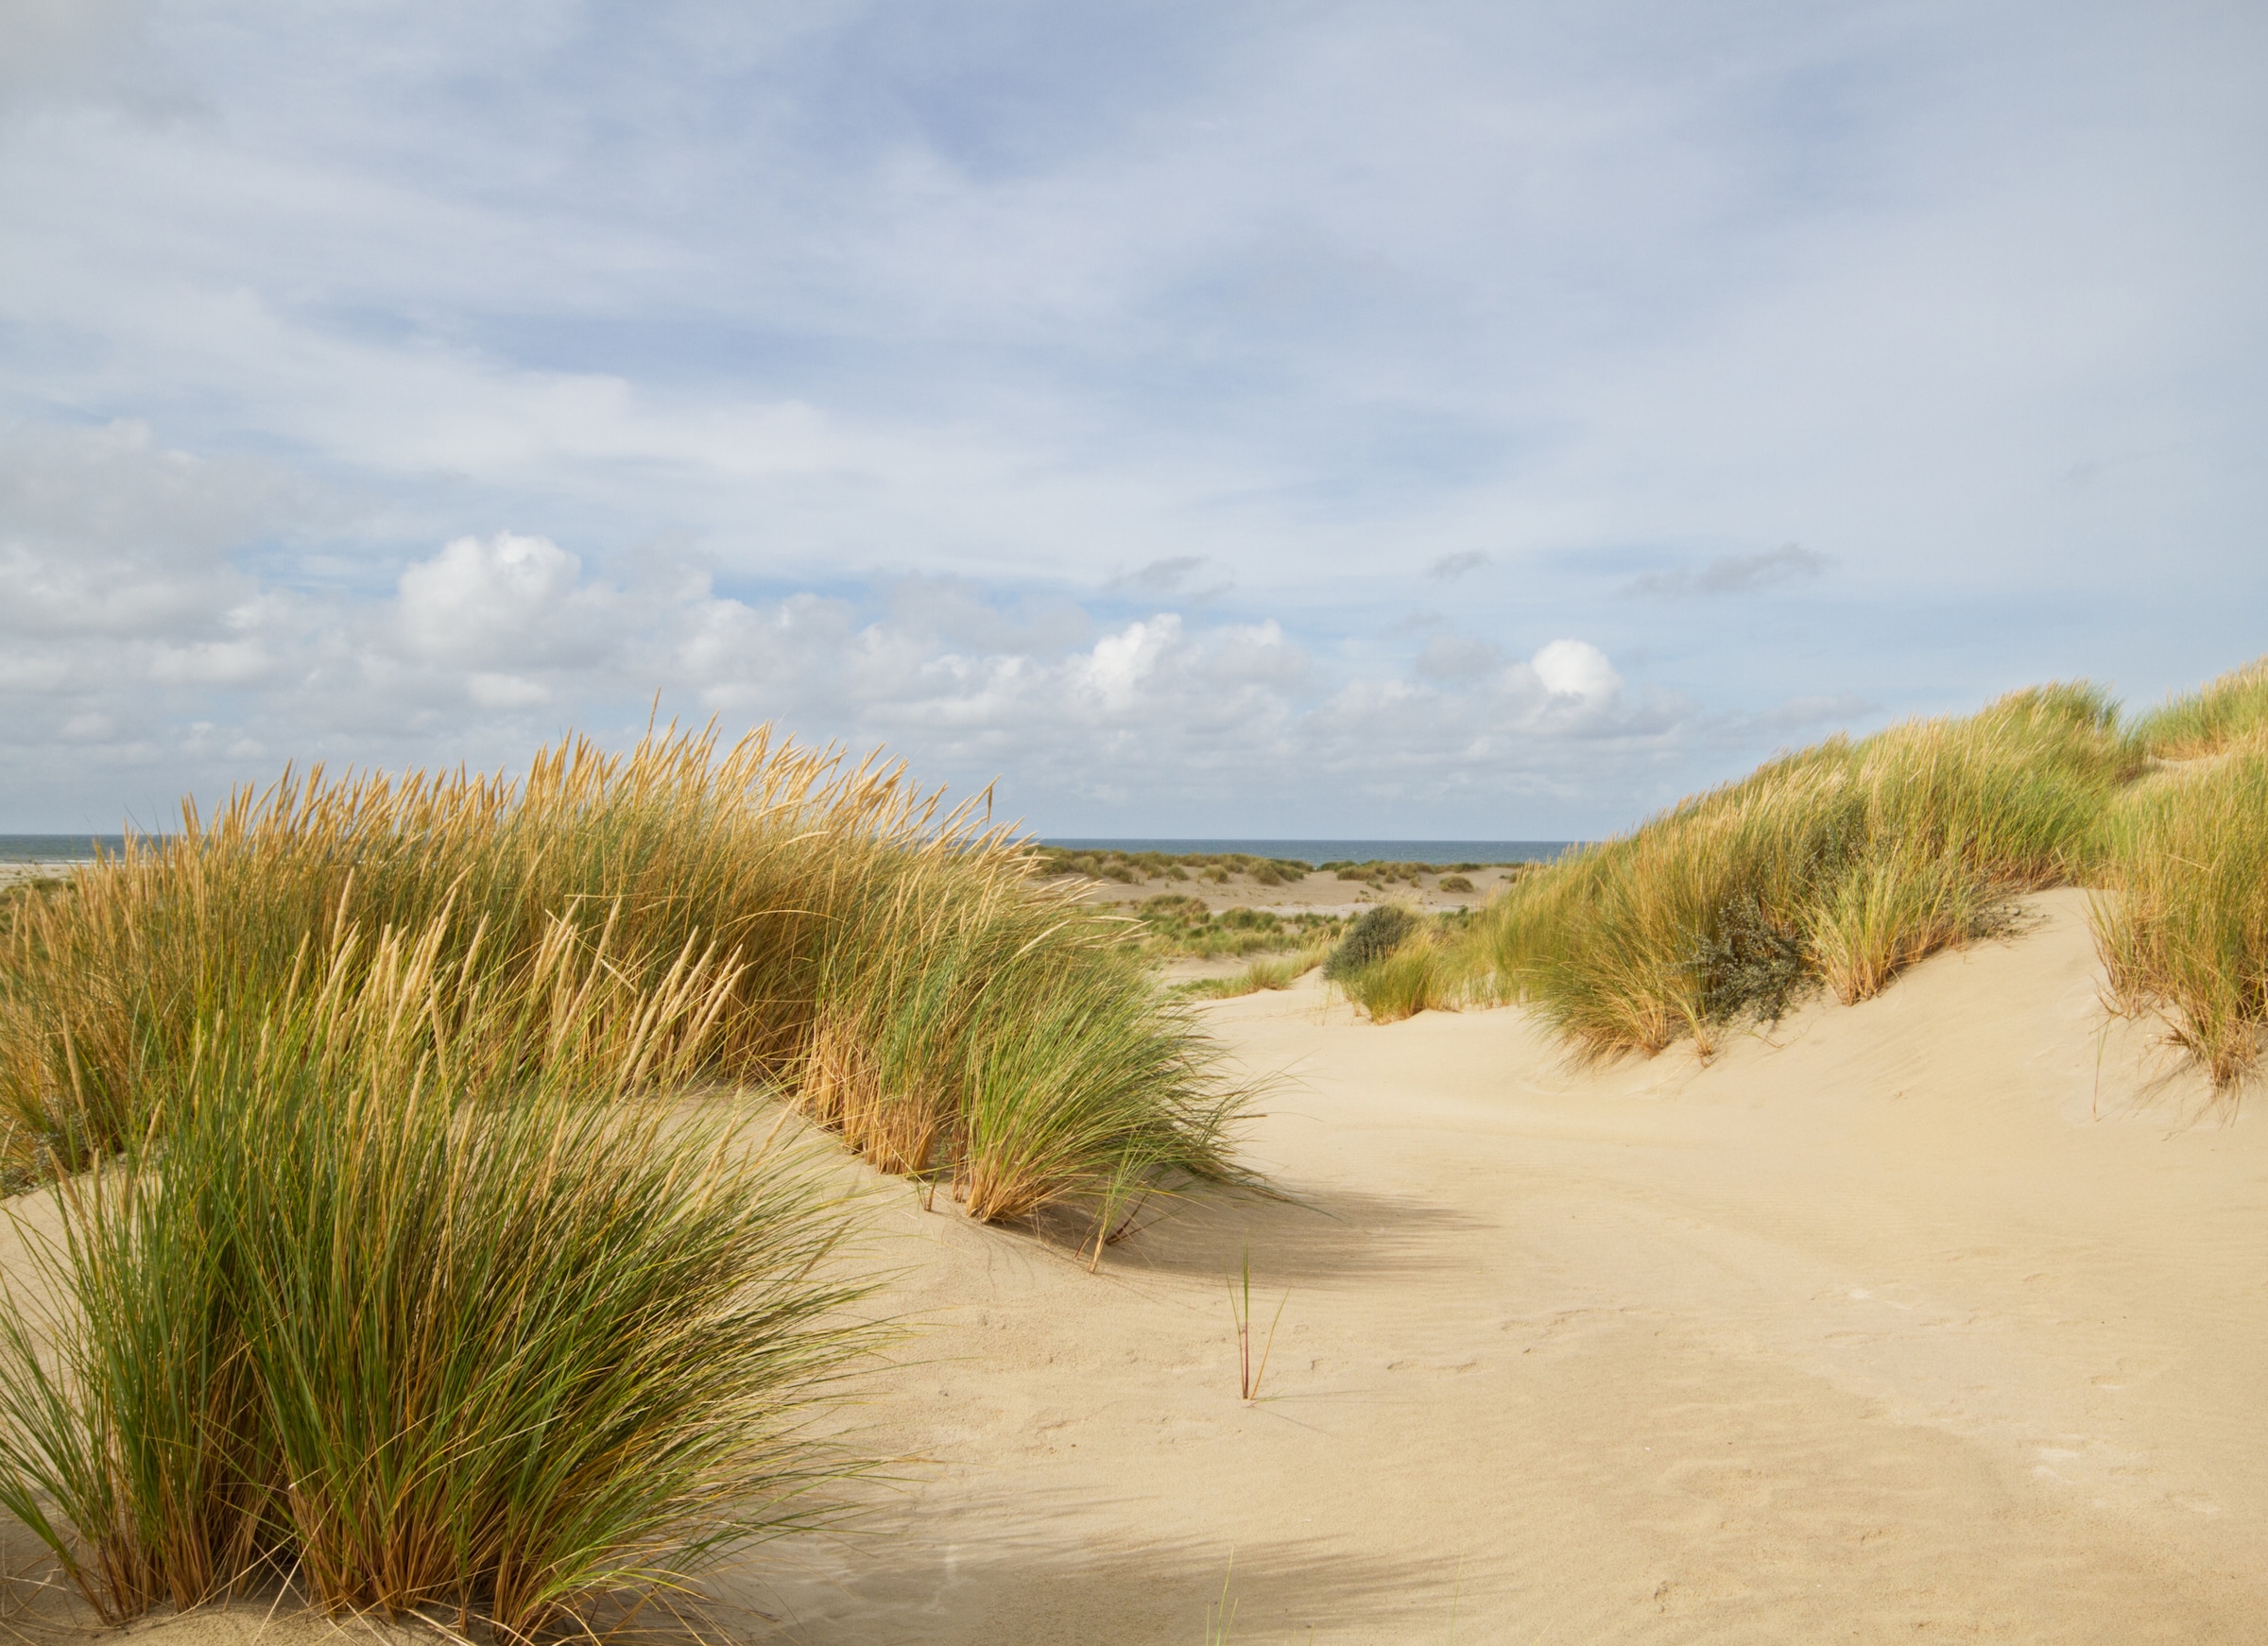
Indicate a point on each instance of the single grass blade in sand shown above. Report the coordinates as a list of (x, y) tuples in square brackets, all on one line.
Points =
[(1240, 1302)]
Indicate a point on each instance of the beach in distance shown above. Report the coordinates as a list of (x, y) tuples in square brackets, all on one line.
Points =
[(1317, 853)]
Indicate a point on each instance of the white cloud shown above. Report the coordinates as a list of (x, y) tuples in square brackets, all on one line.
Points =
[(1573, 668), (506, 692), (213, 663), (505, 598), (487, 643), (1121, 663)]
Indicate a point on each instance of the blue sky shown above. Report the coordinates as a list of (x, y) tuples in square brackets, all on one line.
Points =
[(1469, 421)]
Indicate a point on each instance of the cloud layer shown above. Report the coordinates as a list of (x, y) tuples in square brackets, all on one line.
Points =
[(160, 656), (1455, 419)]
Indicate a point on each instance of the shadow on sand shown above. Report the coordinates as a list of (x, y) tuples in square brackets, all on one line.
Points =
[(1322, 1236), (992, 1581)]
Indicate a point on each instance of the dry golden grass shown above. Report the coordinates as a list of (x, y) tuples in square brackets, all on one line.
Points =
[(2182, 921), (2205, 722), (1844, 863), (888, 958)]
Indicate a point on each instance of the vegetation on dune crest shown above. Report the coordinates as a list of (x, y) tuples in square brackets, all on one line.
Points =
[(2182, 921), (2205, 722), (1843, 863), (889, 962)]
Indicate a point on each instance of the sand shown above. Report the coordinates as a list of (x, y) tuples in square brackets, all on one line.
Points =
[(1940, 1318)]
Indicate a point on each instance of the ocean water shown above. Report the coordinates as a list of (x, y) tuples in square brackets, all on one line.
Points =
[(56, 847), (78, 848), (1314, 851)]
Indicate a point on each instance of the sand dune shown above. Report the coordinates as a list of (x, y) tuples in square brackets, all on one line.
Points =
[(1939, 1317)]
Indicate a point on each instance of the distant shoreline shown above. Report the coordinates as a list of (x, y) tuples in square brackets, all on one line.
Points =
[(61, 847), (1314, 852)]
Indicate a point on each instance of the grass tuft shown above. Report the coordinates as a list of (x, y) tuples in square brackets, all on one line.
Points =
[(2182, 916), (421, 1298), (2205, 722), (1844, 862), (889, 960)]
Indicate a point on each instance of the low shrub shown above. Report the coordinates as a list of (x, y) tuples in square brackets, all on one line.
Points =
[(1375, 934)]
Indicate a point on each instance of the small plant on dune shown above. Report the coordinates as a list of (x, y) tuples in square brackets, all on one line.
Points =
[(1750, 965), (1220, 1615), (1455, 882), (1426, 973), (425, 1301), (1395, 964), (1248, 1376)]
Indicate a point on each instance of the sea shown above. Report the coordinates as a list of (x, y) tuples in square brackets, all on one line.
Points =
[(57, 847), (1315, 852), (79, 848)]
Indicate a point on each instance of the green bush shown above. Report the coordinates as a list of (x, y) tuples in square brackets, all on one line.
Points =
[(1375, 934)]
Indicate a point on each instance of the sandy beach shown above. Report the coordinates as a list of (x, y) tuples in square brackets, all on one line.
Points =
[(1939, 1317), (1318, 892)]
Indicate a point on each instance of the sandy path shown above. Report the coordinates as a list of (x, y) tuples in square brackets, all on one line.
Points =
[(1936, 1321)]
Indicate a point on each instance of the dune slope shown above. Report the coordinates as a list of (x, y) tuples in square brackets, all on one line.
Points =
[(1936, 1317)]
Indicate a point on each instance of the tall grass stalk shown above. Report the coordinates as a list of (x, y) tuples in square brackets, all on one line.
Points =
[(1248, 1376), (888, 958), (413, 1289)]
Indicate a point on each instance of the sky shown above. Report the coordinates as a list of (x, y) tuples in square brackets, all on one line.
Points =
[(1261, 418)]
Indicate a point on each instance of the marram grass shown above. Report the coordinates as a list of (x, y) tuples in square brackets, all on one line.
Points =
[(2224, 712), (2182, 920), (1844, 863), (413, 1247), (416, 1289), (1840, 865), (888, 960)]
